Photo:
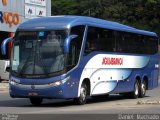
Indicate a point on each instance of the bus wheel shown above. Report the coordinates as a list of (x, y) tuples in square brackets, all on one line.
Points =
[(143, 89), (135, 93), (83, 95), (36, 101)]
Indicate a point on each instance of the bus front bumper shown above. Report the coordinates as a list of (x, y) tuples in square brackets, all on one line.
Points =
[(57, 90)]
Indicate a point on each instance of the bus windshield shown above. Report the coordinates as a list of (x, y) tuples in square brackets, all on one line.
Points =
[(38, 52)]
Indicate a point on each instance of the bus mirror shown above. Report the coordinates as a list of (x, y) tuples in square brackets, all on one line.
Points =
[(67, 42), (4, 45)]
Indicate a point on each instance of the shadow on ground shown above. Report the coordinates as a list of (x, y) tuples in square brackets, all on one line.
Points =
[(59, 103)]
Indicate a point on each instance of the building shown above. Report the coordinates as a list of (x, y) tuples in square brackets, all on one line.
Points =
[(12, 14)]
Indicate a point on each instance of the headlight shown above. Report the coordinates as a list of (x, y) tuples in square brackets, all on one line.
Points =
[(13, 82), (57, 83)]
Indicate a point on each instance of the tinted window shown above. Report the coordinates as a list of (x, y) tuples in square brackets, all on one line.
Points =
[(133, 43), (99, 39), (75, 45)]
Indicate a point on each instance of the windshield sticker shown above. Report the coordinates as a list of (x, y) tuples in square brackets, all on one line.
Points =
[(41, 34)]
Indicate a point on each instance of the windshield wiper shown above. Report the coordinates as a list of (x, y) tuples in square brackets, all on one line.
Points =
[(28, 61), (25, 66)]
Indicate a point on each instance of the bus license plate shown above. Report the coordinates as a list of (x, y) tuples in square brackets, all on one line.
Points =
[(32, 94)]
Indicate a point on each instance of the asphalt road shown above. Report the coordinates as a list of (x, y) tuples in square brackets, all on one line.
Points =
[(112, 105)]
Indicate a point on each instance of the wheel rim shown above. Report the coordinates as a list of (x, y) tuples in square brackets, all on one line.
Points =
[(83, 93), (143, 87), (136, 89)]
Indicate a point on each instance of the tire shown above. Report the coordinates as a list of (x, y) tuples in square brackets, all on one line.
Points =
[(83, 95), (36, 101), (136, 92), (143, 88)]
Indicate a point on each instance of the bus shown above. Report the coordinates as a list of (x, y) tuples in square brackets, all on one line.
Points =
[(77, 57)]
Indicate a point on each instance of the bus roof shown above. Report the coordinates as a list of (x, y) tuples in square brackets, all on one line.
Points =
[(64, 22)]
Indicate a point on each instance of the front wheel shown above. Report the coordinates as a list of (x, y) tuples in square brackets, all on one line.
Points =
[(36, 101), (83, 95)]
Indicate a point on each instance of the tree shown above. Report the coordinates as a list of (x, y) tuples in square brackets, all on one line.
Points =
[(142, 14), (64, 7)]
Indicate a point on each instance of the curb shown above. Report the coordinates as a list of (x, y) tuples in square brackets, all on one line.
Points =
[(4, 87), (149, 102)]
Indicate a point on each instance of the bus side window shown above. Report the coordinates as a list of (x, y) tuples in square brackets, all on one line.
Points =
[(75, 45), (72, 54), (107, 41), (90, 42), (99, 39)]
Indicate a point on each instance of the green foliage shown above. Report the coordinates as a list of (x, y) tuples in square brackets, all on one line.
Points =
[(142, 14), (64, 7)]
